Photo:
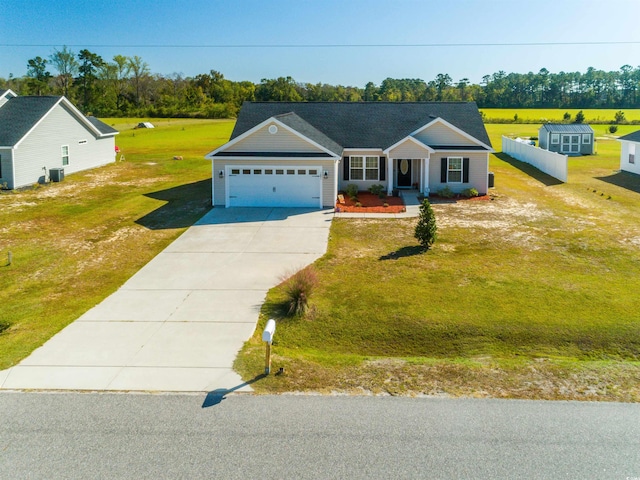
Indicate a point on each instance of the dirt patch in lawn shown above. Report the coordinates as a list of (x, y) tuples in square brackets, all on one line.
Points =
[(370, 203)]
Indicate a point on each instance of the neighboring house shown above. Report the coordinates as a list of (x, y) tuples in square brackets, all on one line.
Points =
[(301, 154), (567, 138), (629, 161), (41, 133)]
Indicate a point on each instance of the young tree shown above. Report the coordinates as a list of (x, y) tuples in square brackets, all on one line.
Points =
[(579, 117), (65, 63), (426, 229), (38, 76)]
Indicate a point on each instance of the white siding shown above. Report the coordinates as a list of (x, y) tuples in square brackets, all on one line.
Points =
[(478, 172), (440, 134), (42, 148), (281, 141), (329, 194), (624, 157)]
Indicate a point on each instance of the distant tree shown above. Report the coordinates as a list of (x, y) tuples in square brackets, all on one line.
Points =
[(88, 66), (579, 117), (67, 66), (619, 117), (426, 229), (566, 117), (139, 71), (38, 75)]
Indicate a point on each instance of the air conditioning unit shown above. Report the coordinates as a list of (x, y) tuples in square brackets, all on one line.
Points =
[(56, 174)]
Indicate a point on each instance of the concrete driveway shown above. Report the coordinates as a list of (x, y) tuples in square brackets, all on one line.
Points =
[(178, 323)]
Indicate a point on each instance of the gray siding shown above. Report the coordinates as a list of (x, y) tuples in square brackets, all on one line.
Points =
[(42, 148), (543, 138), (478, 172), (6, 168), (282, 141), (328, 185), (439, 134)]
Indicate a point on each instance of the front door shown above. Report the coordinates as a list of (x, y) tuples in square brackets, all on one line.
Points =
[(404, 173)]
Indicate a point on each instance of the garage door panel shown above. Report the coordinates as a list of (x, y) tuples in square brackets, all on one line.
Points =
[(274, 186)]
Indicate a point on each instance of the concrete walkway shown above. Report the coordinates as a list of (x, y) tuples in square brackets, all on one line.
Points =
[(179, 322)]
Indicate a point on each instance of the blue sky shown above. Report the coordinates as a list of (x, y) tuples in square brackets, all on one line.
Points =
[(159, 30)]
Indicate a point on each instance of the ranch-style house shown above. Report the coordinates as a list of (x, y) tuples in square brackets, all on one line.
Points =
[(38, 134), (301, 154)]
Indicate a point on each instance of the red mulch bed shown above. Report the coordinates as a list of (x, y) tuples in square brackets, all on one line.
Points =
[(371, 204)]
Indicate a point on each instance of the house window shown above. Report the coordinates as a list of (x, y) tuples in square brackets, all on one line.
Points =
[(555, 138), (454, 170), (371, 168), (632, 154), (65, 155), (356, 165), (364, 168), (586, 138)]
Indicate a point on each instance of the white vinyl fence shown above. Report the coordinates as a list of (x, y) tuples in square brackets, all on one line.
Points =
[(551, 163)]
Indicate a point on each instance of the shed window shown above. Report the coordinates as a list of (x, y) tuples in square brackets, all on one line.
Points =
[(555, 138), (454, 170), (65, 155), (586, 138)]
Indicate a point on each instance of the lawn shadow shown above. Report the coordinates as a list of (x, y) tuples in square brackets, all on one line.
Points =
[(530, 170), (216, 396), (184, 206), (403, 252), (628, 180)]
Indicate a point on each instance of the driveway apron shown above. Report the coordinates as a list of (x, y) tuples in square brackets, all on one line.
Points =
[(178, 324)]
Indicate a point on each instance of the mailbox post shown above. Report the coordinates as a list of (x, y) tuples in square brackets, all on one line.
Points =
[(267, 336)]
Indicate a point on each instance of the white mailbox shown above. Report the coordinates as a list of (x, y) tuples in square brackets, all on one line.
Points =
[(269, 330)]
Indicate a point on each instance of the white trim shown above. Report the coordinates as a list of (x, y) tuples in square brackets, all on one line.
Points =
[(276, 159), (455, 129), (251, 131), (346, 150), (62, 155), (461, 169), (414, 140)]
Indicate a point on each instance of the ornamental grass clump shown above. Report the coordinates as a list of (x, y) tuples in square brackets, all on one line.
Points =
[(426, 229), (298, 289)]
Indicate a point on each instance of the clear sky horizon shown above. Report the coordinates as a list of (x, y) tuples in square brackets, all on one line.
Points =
[(370, 40)]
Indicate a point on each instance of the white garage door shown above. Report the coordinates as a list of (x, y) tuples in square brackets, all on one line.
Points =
[(274, 186)]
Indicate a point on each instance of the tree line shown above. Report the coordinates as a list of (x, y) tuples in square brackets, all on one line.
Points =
[(125, 86)]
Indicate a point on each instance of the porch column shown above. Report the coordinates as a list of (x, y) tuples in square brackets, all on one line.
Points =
[(425, 177), (389, 176)]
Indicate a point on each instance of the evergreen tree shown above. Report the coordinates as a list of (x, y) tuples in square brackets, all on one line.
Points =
[(426, 229)]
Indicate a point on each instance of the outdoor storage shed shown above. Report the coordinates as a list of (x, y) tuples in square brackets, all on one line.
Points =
[(568, 139)]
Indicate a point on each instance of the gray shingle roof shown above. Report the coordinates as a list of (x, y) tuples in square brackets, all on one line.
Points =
[(102, 127), (632, 137), (365, 124), (567, 128), (298, 124), (20, 114)]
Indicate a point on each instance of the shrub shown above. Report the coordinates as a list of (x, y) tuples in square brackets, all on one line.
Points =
[(613, 129), (445, 192), (298, 289), (426, 229), (377, 190), (470, 192), (352, 191)]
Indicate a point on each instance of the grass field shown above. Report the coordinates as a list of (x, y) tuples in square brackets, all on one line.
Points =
[(527, 295), (543, 115), (75, 242), (531, 294)]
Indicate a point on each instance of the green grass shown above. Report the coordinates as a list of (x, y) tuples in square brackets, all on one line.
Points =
[(75, 242), (533, 287), (541, 115)]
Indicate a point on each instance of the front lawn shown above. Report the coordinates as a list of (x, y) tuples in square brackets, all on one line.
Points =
[(75, 242), (530, 295)]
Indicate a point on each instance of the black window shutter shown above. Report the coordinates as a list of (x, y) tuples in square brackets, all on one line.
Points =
[(465, 170), (383, 170), (345, 165), (443, 170)]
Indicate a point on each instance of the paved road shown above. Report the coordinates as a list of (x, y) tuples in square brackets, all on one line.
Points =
[(47, 435), (179, 322)]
